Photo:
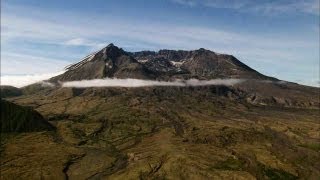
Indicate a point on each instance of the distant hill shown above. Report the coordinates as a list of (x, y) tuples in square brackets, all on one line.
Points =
[(15, 118), (10, 91)]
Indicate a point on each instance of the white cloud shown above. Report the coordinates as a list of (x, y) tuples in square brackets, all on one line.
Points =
[(142, 83), (84, 42), (76, 42), (266, 7), (24, 80)]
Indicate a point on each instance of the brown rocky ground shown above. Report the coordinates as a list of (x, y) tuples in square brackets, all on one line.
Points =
[(162, 133)]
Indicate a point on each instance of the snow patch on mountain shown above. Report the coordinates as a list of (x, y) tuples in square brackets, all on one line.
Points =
[(176, 63)]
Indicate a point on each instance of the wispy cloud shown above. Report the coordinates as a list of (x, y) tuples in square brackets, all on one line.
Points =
[(84, 42), (77, 42), (266, 7), (157, 35), (300, 6), (143, 83), (186, 2)]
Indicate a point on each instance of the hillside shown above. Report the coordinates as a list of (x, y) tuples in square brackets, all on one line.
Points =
[(15, 118), (10, 91)]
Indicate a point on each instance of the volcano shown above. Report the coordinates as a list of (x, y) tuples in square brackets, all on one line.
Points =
[(114, 62), (257, 128)]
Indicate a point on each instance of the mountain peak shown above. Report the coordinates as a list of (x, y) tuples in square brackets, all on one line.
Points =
[(110, 45), (111, 61), (202, 49), (111, 51)]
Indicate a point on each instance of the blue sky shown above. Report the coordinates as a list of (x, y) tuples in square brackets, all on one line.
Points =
[(279, 38)]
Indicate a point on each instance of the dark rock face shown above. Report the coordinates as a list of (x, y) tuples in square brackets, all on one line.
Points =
[(160, 64), (143, 54), (15, 118), (175, 55)]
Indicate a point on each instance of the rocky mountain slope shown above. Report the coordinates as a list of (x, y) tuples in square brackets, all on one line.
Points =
[(201, 63), (111, 61)]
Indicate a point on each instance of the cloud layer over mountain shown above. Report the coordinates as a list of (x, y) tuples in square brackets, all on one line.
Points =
[(143, 83)]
